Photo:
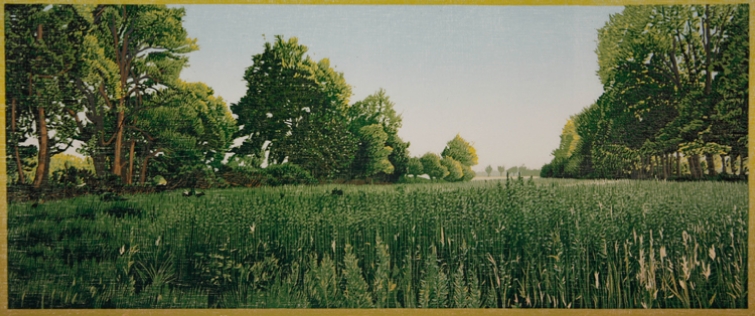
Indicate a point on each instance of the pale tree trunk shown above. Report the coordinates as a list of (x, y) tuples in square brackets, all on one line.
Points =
[(678, 165)]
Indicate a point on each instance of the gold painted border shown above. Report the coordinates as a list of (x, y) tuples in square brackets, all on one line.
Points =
[(434, 312)]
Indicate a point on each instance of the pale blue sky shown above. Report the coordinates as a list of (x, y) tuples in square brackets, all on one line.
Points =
[(505, 77)]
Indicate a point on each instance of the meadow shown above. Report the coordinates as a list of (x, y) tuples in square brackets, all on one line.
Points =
[(542, 243)]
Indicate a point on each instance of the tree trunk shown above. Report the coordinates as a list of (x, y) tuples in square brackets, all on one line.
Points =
[(723, 165), (664, 162), (711, 164), (678, 165), (143, 171), (46, 176), (669, 166), (653, 167), (130, 174), (17, 156), (98, 159), (42, 160), (641, 169), (741, 165), (698, 168), (117, 148)]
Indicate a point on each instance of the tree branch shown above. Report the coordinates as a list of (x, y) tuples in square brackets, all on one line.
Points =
[(145, 133)]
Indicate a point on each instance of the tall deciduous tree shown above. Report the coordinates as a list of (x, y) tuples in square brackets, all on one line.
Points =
[(664, 69), (293, 110), (186, 126), (377, 108), (43, 56), (132, 51)]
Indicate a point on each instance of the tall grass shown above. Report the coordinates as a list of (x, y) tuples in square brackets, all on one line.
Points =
[(548, 244)]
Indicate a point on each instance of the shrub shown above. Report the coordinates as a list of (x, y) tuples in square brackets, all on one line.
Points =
[(288, 173), (201, 177), (241, 176)]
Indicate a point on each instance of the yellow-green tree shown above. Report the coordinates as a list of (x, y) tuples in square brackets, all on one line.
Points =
[(464, 153), (455, 171)]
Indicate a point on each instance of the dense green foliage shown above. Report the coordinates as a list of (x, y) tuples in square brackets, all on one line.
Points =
[(551, 243), (106, 77), (675, 100)]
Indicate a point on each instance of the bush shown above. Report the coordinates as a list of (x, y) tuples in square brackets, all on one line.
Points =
[(200, 177), (240, 176), (288, 173), (70, 176)]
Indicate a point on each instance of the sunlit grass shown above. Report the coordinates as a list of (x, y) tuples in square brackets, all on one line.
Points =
[(547, 243)]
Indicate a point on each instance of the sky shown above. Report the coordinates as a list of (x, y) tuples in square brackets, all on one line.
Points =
[(506, 78)]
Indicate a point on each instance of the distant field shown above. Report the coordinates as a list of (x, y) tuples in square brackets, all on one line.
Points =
[(546, 243), (494, 177)]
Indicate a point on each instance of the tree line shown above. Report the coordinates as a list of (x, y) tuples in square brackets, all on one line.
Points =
[(675, 100), (106, 77)]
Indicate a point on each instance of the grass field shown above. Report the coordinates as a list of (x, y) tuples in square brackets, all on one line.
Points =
[(547, 243)]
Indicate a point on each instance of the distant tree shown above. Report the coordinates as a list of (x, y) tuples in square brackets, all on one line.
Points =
[(377, 108), (488, 170), (414, 166), (455, 171), (374, 150), (501, 170), (461, 151), (432, 166)]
